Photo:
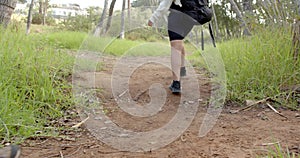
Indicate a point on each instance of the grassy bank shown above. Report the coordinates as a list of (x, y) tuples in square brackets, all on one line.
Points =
[(34, 70), (33, 86), (262, 66)]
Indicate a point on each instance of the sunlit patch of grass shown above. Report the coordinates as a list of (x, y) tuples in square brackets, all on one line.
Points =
[(65, 39)]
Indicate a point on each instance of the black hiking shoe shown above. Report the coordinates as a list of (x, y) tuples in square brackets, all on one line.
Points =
[(182, 72), (175, 87), (12, 151)]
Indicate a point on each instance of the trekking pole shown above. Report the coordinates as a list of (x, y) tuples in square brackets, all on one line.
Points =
[(202, 38), (212, 34)]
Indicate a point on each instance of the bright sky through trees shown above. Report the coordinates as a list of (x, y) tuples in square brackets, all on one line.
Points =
[(87, 3)]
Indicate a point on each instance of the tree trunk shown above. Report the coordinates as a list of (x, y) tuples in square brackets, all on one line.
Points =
[(129, 9), (296, 40), (216, 22), (29, 18), (247, 6), (40, 7), (6, 9), (228, 34), (45, 8), (122, 34), (296, 36), (196, 36), (100, 24), (110, 14), (240, 17)]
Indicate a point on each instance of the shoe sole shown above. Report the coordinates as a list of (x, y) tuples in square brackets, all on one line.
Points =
[(174, 91)]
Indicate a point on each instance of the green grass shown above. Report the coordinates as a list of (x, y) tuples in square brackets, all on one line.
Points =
[(65, 39), (276, 151), (33, 86), (259, 66), (80, 41), (119, 47), (41, 28), (108, 45), (34, 69)]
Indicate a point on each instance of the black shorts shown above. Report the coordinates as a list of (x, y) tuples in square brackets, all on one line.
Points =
[(179, 25)]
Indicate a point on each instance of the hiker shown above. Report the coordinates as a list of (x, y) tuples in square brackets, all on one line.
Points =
[(11, 151), (178, 27), (181, 20)]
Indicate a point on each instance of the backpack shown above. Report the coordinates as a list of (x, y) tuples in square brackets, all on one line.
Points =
[(198, 10)]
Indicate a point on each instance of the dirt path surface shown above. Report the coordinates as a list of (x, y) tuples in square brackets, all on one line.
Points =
[(245, 134)]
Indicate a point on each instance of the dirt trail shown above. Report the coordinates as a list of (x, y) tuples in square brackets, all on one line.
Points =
[(245, 134)]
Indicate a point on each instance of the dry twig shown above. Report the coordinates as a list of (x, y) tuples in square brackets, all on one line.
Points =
[(139, 95), (251, 105), (295, 89), (74, 152), (268, 144), (277, 112), (123, 93), (61, 154), (80, 123)]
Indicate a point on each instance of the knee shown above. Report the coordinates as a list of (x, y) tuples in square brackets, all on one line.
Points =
[(178, 45)]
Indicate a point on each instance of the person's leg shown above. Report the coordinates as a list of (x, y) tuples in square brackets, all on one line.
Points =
[(176, 58), (183, 57), (12, 151), (182, 69), (176, 55), (177, 31)]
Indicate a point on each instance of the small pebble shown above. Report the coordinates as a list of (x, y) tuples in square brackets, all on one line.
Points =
[(191, 102), (103, 128), (107, 122), (98, 118), (233, 111), (123, 135)]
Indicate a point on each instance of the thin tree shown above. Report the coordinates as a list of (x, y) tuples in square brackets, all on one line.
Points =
[(296, 36), (6, 10), (29, 18), (110, 14), (45, 9), (240, 17), (41, 7), (122, 34), (103, 15), (128, 13), (247, 6), (41, 11), (216, 22), (248, 9)]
